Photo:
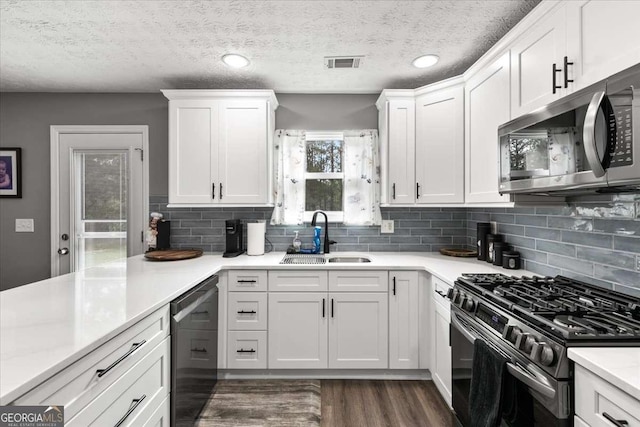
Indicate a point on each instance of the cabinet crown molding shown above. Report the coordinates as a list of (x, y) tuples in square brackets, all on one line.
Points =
[(175, 94)]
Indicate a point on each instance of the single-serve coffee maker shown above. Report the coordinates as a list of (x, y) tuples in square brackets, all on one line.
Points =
[(235, 238)]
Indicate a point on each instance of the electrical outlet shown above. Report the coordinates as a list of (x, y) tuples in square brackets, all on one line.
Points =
[(494, 227), (24, 225), (387, 226)]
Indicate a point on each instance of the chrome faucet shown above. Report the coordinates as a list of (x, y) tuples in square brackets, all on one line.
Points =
[(327, 242)]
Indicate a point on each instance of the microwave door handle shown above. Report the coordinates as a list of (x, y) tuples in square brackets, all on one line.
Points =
[(589, 135), (530, 381)]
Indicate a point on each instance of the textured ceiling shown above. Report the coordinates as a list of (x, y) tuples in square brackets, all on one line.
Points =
[(147, 45)]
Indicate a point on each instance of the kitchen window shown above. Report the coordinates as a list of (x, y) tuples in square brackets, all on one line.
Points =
[(335, 172), (324, 175)]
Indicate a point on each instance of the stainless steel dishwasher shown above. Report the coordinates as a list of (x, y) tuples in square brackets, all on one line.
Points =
[(194, 351)]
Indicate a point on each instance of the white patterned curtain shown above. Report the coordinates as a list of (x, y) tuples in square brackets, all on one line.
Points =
[(361, 177), (289, 168)]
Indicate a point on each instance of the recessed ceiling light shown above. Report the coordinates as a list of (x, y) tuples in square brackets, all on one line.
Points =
[(235, 61), (425, 61)]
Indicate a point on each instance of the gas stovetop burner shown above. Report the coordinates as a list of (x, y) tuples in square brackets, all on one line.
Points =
[(559, 305)]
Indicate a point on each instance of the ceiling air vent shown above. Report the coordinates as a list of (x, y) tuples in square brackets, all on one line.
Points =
[(332, 62)]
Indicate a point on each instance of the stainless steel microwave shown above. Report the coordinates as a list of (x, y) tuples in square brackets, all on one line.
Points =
[(588, 141)]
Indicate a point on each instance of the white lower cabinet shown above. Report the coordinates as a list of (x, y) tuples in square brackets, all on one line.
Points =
[(298, 330), (440, 343), (247, 350), (358, 331), (600, 403), (404, 344), (133, 397), (162, 416)]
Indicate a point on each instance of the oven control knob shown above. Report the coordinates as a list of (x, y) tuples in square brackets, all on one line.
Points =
[(529, 341), (547, 355), (514, 334), (460, 298), (468, 304)]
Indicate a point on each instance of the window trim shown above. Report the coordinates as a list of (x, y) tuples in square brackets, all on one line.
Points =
[(333, 216)]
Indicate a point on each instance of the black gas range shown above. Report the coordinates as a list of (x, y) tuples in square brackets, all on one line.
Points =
[(532, 321)]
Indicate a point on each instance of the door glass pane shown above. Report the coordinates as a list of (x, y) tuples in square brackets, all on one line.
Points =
[(101, 207)]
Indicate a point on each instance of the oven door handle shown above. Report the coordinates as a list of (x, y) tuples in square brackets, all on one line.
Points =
[(530, 381), (513, 369)]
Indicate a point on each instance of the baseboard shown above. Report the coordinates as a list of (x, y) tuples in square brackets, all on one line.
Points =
[(359, 374)]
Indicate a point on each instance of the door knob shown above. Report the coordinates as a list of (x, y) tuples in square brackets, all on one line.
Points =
[(63, 251)]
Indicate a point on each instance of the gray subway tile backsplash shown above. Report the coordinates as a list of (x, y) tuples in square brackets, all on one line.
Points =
[(597, 242)]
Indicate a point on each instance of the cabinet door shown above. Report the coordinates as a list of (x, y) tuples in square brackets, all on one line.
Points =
[(298, 330), (603, 37), (401, 136), (440, 146), (441, 350), (532, 59), (243, 160), (192, 151), (358, 331), (487, 107), (404, 343)]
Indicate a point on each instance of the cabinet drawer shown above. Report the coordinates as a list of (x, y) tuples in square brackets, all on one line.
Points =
[(298, 281), (251, 281), (162, 415), (355, 281), (247, 311), (440, 289), (596, 397), (134, 396), (77, 385), (247, 350)]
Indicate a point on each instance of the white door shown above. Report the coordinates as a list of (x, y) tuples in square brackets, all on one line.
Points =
[(486, 108), (99, 195), (402, 139), (440, 146), (532, 58), (298, 330), (602, 38), (358, 331), (404, 343), (242, 150), (441, 350)]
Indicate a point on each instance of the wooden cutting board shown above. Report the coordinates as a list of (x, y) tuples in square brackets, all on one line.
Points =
[(173, 254), (464, 253)]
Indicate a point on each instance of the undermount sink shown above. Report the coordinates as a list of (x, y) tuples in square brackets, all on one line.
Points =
[(349, 259)]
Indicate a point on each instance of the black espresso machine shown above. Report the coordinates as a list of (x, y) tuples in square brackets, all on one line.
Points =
[(234, 234)]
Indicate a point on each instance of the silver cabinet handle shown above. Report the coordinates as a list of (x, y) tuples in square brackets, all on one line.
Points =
[(134, 404)]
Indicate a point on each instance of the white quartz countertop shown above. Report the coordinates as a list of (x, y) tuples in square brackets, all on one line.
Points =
[(618, 365), (47, 325)]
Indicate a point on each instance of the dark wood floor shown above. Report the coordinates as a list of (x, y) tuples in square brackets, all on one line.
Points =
[(371, 403)]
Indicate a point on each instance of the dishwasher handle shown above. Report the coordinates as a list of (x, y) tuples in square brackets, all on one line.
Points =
[(189, 297)]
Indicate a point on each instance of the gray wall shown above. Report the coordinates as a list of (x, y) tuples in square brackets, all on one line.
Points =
[(326, 112), (596, 242), (24, 122)]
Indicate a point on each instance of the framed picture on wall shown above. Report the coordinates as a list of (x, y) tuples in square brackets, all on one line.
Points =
[(10, 172)]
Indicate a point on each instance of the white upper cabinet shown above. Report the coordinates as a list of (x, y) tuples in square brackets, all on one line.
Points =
[(399, 116), (537, 64), (603, 37), (486, 108), (220, 147), (439, 159), (574, 44)]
